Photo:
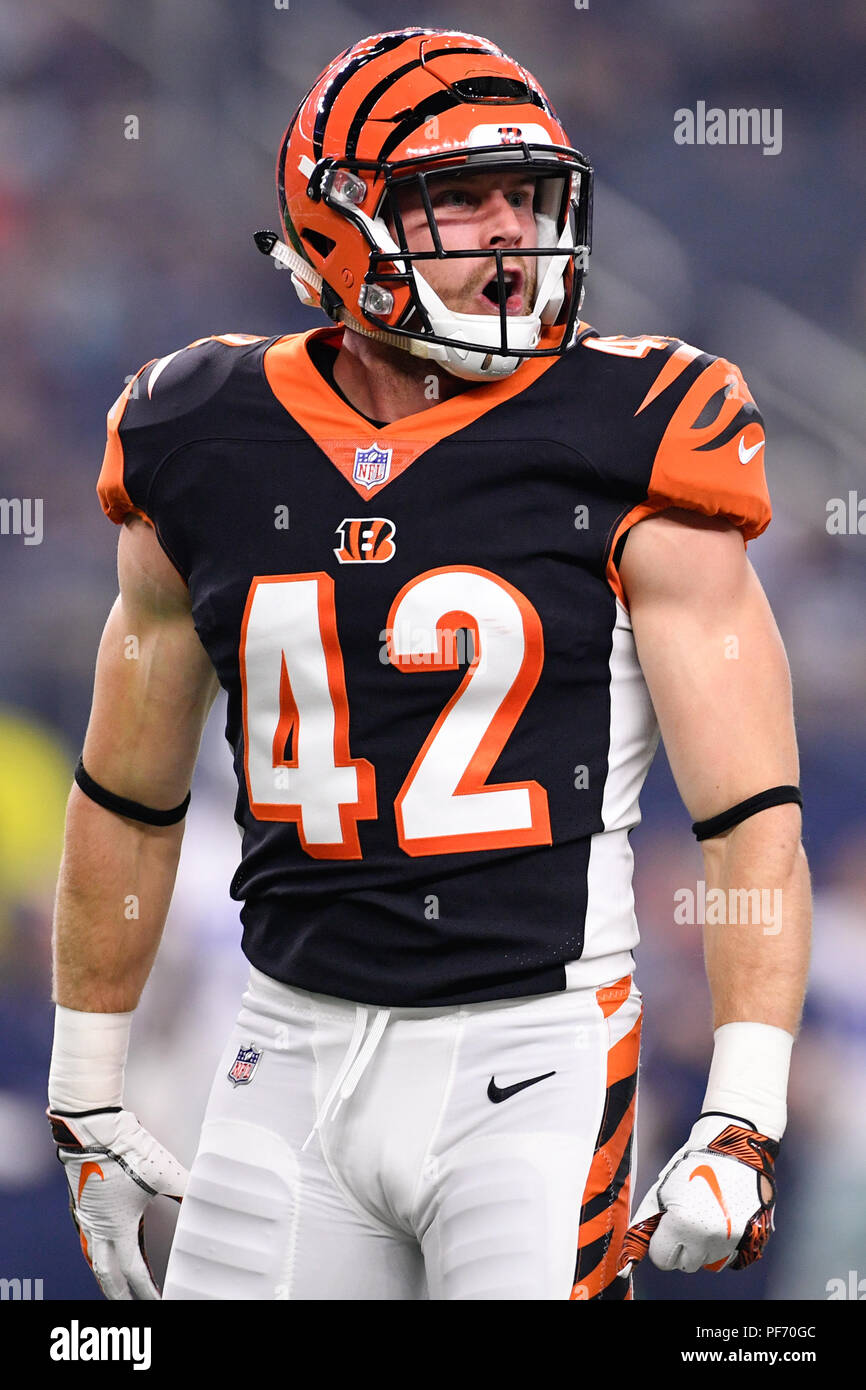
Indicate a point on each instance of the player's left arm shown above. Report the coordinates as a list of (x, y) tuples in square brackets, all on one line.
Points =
[(719, 680), (718, 676)]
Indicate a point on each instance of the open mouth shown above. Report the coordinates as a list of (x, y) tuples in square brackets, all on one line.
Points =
[(514, 280)]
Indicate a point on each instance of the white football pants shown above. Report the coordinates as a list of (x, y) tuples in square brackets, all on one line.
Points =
[(471, 1151)]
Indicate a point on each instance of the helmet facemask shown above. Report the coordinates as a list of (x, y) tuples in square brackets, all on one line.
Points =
[(396, 296)]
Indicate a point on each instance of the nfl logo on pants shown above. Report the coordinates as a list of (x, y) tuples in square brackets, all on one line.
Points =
[(241, 1071)]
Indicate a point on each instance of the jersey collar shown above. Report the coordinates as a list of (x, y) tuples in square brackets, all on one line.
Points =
[(344, 435)]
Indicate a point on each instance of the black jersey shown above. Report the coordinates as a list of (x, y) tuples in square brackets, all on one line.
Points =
[(439, 725)]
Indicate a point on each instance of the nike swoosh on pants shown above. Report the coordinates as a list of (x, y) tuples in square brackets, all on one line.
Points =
[(498, 1093)]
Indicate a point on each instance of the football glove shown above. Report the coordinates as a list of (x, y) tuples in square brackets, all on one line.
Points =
[(114, 1169), (712, 1206)]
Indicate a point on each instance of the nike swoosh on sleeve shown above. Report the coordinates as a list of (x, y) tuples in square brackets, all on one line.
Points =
[(747, 454)]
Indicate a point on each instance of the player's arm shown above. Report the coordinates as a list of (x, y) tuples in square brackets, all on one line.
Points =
[(154, 686), (719, 680), (153, 689)]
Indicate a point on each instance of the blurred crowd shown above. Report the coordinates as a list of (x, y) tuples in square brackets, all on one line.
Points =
[(117, 250)]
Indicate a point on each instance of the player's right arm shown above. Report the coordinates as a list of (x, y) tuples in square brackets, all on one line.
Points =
[(154, 687)]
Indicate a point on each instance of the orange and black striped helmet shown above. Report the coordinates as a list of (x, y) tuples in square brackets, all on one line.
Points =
[(395, 111)]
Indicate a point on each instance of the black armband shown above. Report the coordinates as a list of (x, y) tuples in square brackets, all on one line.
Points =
[(716, 825), (122, 806)]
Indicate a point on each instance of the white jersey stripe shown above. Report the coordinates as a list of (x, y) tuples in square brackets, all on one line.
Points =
[(611, 929)]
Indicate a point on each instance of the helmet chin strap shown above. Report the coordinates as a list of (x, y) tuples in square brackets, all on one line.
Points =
[(309, 284), (310, 290)]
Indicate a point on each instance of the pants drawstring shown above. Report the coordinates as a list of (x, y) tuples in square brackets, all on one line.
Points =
[(353, 1065)]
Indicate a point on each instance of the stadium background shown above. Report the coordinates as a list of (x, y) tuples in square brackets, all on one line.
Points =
[(119, 250)]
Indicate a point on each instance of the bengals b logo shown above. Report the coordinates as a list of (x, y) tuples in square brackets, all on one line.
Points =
[(365, 538)]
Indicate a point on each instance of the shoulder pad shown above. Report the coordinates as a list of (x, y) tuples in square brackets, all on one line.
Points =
[(707, 432), (710, 456), (702, 431), (618, 345), (162, 402)]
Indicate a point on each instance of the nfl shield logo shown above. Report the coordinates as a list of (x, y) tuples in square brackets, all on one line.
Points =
[(372, 465), (242, 1068)]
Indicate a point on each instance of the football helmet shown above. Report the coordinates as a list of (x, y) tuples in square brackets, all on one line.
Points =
[(394, 112)]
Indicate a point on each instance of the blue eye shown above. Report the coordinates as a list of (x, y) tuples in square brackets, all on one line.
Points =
[(462, 198)]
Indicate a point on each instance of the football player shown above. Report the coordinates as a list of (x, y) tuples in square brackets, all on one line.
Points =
[(456, 558)]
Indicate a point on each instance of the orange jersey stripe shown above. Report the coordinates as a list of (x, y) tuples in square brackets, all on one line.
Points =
[(110, 487), (339, 430), (701, 466), (717, 467), (676, 363)]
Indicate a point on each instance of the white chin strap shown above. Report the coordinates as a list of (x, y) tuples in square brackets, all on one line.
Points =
[(523, 330), (308, 287)]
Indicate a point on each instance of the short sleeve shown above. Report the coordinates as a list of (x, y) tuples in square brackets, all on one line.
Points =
[(710, 458), (166, 404), (112, 485), (702, 447)]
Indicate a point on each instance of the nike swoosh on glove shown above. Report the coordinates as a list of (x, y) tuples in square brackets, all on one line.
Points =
[(114, 1168), (712, 1206)]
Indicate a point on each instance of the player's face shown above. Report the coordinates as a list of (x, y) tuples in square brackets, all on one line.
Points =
[(487, 212)]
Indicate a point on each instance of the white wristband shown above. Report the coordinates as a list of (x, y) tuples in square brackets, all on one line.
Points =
[(88, 1060), (749, 1075)]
